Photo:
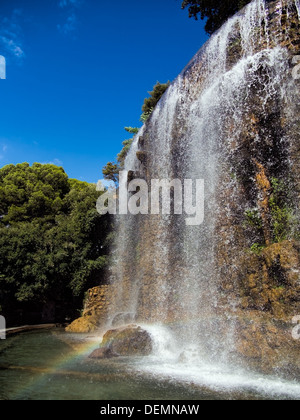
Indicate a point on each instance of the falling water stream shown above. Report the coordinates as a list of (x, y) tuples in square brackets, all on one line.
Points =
[(166, 273)]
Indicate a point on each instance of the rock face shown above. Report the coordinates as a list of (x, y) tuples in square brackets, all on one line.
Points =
[(86, 324), (232, 285), (271, 282), (127, 341), (232, 119), (265, 344), (95, 312), (269, 299)]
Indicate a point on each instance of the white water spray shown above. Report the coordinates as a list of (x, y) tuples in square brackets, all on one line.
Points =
[(168, 273)]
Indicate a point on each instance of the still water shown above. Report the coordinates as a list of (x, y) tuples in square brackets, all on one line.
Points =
[(54, 365)]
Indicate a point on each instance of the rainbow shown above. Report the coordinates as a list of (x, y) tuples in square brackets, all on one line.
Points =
[(39, 375)]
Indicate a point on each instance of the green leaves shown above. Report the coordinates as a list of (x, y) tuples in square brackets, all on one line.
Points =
[(124, 152), (146, 115), (155, 95), (281, 214), (111, 170), (281, 218), (132, 130), (215, 11), (257, 248), (52, 240), (27, 192), (254, 219)]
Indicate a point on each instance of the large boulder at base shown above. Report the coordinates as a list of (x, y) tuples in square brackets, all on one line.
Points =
[(131, 340)]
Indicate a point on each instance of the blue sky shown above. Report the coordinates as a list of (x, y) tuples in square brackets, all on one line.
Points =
[(78, 72)]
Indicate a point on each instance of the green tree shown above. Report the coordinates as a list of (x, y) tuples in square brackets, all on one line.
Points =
[(111, 169), (53, 243), (215, 11), (27, 192), (124, 152), (132, 130), (151, 102)]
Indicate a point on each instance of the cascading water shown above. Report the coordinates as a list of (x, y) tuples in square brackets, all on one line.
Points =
[(182, 280)]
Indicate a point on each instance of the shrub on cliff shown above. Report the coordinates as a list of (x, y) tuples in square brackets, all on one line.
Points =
[(151, 102), (111, 169)]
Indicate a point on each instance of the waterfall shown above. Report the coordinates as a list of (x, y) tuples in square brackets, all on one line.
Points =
[(187, 277)]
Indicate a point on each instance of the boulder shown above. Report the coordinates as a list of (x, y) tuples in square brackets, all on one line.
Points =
[(103, 353), (86, 324), (131, 340)]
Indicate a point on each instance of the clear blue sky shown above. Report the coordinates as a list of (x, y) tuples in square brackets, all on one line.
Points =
[(78, 72)]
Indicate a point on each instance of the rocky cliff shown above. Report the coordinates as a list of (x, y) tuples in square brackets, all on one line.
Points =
[(95, 311), (230, 286)]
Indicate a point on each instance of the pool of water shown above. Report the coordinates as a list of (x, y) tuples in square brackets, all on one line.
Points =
[(54, 365)]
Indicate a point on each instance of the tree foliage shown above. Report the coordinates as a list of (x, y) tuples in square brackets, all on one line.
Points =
[(111, 169), (53, 243), (124, 152), (132, 130), (151, 102), (215, 11)]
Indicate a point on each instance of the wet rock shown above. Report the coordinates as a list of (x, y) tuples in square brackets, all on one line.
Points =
[(123, 318), (266, 344), (142, 157), (103, 353), (258, 147), (141, 141), (128, 341), (270, 281)]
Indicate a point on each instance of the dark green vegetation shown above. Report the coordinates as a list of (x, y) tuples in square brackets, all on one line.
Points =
[(151, 102), (53, 243), (215, 11), (112, 169), (282, 217), (281, 220)]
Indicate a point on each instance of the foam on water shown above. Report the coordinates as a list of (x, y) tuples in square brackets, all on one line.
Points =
[(188, 365)]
